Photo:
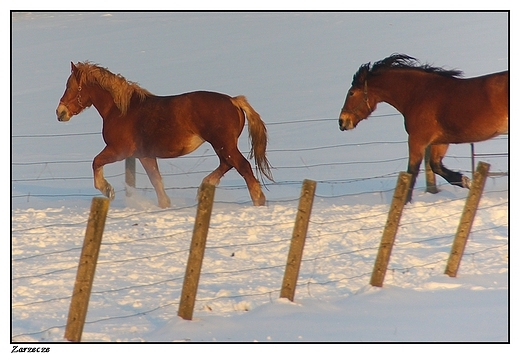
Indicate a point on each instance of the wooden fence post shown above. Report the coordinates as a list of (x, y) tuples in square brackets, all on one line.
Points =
[(294, 257), (197, 248), (392, 224), (86, 269), (129, 174), (467, 218), (431, 185)]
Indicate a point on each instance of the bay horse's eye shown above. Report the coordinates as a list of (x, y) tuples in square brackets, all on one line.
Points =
[(350, 93)]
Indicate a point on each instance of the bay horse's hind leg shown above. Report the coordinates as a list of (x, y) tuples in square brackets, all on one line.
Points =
[(231, 157), (152, 170), (456, 178)]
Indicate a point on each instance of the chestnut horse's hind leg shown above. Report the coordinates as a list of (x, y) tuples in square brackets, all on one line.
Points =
[(231, 157), (152, 170), (455, 178), (214, 177), (244, 168)]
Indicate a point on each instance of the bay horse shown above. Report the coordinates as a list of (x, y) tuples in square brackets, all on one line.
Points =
[(438, 105), (139, 124)]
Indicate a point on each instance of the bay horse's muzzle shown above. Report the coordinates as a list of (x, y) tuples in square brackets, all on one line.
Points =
[(345, 123)]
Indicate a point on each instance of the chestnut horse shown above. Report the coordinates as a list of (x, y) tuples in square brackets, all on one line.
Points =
[(139, 124), (439, 108)]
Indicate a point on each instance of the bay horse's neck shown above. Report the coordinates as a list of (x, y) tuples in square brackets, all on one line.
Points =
[(397, 86)]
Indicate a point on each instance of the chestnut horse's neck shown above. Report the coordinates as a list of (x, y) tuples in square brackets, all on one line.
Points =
[(109, 93), (102, 100)]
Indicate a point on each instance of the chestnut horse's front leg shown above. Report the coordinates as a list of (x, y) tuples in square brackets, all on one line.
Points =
[(152, 170), (106, 156)]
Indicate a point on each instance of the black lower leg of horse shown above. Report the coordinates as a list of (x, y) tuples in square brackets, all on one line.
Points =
[(454, 178), (413, 169)]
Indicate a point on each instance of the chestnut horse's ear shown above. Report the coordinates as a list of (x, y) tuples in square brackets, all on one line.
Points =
[(72, 67)]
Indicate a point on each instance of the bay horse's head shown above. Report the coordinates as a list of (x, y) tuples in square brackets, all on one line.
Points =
[(74, 100), (357, 104)]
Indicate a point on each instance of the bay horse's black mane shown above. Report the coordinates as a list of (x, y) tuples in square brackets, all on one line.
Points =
[(399, 61)]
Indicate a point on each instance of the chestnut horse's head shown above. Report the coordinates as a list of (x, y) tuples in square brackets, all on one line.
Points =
[(74, 100), (357, 104)]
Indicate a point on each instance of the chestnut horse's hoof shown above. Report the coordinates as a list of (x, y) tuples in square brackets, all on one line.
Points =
[(260, 201), (164, 203), (109, 192)]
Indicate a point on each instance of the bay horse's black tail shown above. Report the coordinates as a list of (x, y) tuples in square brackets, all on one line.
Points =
[(257, 136)]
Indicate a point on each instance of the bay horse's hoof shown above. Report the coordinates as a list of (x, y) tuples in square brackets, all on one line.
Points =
[(466, 182)]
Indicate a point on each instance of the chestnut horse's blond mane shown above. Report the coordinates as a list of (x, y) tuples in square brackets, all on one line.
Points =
[(120, 88)]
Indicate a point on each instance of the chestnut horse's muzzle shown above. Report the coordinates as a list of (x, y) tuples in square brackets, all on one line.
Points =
[(62, 112)]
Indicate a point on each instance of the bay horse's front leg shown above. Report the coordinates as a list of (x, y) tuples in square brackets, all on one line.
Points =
[(415, 157), (106, 156), (152, 170), (455, 178), (413, 169)]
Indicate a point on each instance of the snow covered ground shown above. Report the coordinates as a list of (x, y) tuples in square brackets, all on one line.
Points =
[(295, 69)]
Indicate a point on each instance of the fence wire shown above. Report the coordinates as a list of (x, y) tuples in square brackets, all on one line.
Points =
[(335, 260)]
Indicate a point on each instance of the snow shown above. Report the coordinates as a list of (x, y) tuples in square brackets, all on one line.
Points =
[(295, 69)]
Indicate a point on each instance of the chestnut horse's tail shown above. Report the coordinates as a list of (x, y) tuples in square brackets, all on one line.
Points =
[(257, 135)]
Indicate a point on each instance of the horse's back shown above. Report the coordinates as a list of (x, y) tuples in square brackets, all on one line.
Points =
[(208, 112), (494, 84), (497, 91), (201, 99), (499, 84), (171, 126), (475, 110)]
